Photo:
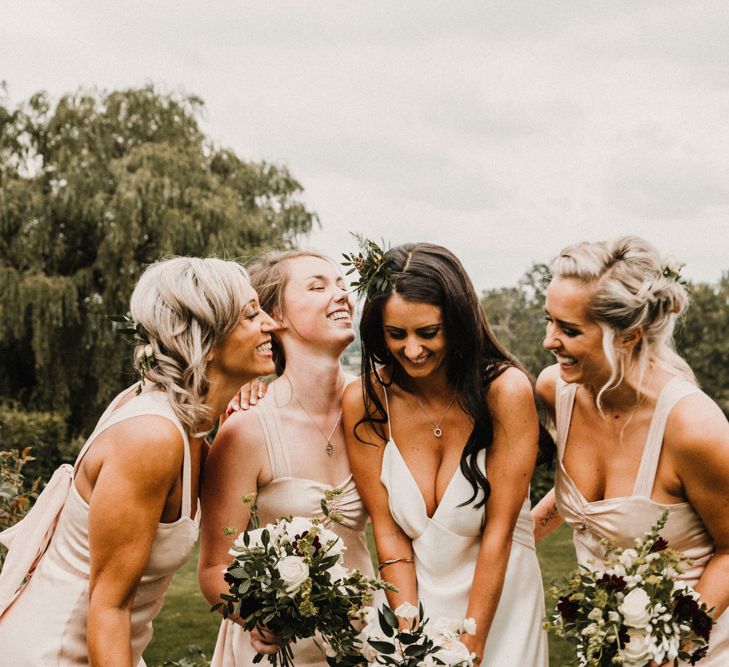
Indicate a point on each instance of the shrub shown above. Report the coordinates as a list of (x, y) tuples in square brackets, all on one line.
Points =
[(15, 493), (44, 432)]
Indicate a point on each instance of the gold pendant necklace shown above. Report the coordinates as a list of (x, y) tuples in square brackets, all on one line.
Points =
[(437, 430), (329, 448)]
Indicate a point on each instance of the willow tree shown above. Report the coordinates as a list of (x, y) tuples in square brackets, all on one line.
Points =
[(93, 188)]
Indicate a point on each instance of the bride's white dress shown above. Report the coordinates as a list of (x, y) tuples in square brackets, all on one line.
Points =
[(446, 548)]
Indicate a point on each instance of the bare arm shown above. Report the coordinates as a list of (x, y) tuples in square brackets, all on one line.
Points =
[(545, 513), (125, 506), (509, 465), (698, 432), (546, 516), (232, 471), (365, 461)]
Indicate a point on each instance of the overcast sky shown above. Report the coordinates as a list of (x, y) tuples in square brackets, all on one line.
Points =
[(502, 130)]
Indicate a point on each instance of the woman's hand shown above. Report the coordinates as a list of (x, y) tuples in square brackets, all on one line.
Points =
[(469, 641), (248, 395), (264, 641)]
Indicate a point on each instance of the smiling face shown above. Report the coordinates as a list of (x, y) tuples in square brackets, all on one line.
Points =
[(317, 305), (572, 336), (414, 335), (245, 353)]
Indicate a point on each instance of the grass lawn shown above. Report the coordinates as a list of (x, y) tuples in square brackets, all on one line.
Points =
[(185, 620)]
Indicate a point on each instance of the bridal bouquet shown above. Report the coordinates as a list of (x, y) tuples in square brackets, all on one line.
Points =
[(634, 610), (382, 641), (288, 576)]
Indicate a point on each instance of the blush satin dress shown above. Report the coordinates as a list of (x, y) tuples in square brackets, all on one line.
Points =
[(621, 520), (286, 494), (44, 584)]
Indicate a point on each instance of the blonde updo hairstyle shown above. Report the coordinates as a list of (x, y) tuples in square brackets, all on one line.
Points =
[(183, 307), (269, 278), (632, 290)]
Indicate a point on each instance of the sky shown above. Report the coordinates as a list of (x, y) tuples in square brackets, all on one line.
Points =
[(502, 130)]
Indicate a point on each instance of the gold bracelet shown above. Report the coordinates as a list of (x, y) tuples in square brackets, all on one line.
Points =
[(392, 561)]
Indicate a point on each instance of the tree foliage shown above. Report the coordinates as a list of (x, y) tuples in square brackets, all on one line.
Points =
[(93, 188)]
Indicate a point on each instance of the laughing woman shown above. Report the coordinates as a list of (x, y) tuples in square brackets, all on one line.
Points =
[(635, 435), (442, 435), (290, 447), (101, 544)]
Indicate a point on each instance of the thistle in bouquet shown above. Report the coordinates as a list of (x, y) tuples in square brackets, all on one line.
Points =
[(288, 576), (383, 641), (632, 609)]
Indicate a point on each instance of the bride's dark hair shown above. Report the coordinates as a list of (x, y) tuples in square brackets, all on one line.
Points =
[(425, 273)]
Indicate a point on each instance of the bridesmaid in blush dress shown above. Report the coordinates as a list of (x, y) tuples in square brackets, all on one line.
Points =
[(88, 567), (635, 435), (442, 435), (289, 449)]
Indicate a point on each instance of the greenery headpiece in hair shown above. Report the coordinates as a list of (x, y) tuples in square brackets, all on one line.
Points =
[(369, 263), (671, 269), (136, 334)]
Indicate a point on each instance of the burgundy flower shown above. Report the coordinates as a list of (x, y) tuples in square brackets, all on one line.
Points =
[(613, 581), (701, 624), (659, 545), (686, 608), (698, 654), (316, 543), (567, 608)]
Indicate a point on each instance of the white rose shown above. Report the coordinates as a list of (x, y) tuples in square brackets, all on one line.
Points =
[(453, 652), (406, 611), (634, 608), (298, 525), (445, 627), (254, 537), (294, 572), (469, 625), (637, 651)]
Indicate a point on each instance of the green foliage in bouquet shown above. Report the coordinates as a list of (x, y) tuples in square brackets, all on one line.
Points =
[(289, 578), (632, 609)]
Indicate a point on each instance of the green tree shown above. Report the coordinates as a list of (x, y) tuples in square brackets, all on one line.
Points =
[(516, 315), (93, 188), (703, 338)]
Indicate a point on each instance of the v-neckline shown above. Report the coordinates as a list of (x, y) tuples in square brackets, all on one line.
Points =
[(392, 442)]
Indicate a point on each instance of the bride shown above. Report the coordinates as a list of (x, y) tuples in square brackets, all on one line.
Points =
[(442, 440)]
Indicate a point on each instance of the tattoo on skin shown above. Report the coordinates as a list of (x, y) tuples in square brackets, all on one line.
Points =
[(551, 514)]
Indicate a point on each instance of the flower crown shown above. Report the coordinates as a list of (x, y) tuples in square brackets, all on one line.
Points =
[(369, 263), (136, 334)]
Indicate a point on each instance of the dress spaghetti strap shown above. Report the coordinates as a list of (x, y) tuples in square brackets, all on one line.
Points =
[(564, 402), (673, 391), (277, 454), (387, 411)]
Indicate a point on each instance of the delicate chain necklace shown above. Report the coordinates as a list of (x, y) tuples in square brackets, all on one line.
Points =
[(437, 430), (329, 449)]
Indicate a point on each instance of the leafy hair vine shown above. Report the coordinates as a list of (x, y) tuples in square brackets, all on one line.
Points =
[(369, 263), (136, 334)]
